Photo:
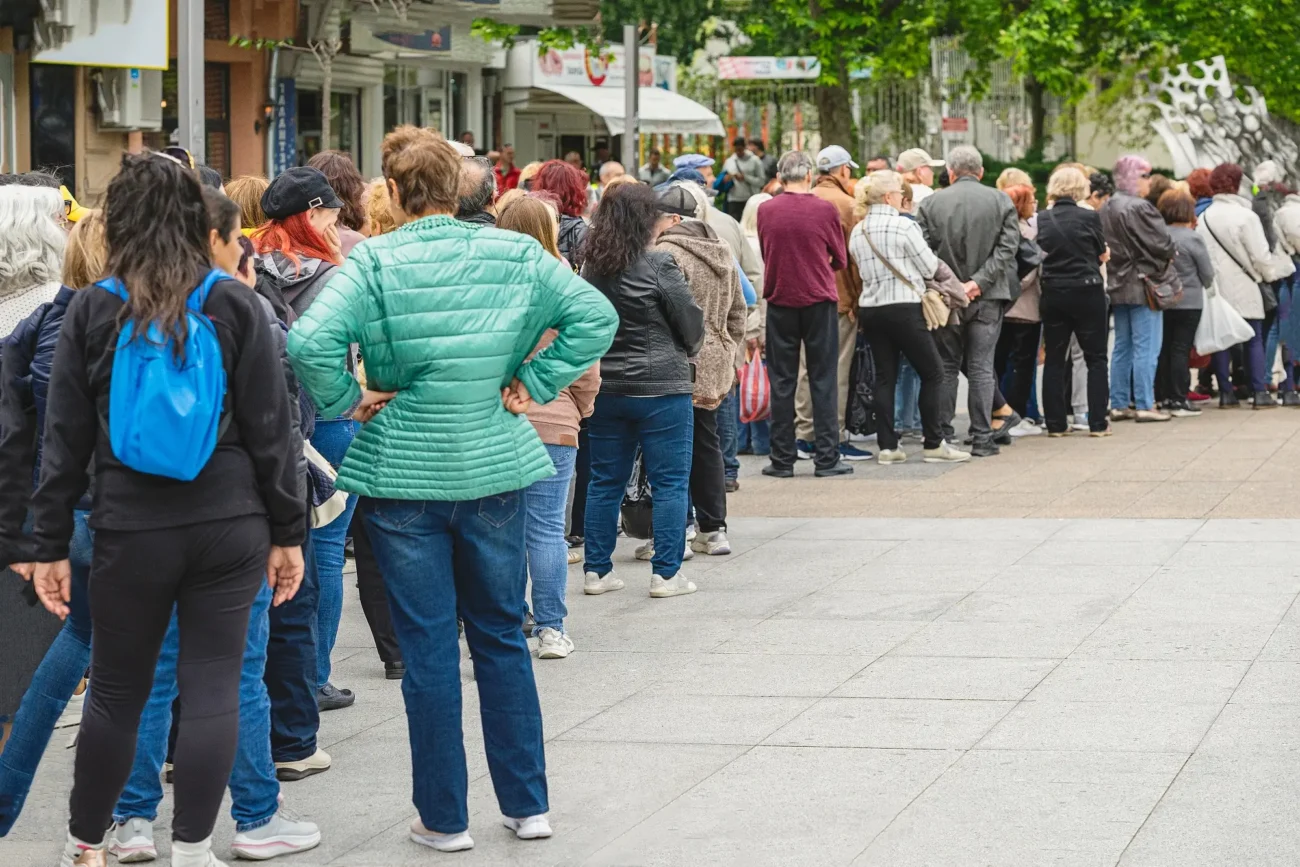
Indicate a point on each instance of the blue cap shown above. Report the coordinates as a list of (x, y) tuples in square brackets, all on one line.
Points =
[(692, 161), (682, 175)]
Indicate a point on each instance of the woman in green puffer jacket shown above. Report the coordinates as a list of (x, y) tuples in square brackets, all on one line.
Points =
[(446, 313)]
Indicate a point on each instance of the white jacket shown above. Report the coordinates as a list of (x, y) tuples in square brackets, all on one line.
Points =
[(1240, 253), (1286, 220)]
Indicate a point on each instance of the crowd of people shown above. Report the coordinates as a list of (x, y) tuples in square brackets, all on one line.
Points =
[(456, 370)]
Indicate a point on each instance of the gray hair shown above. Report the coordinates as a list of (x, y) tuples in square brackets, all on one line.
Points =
[(965, 160), (477, 187), (32, 240), (696, 193), (1269, 172), (795, 166)]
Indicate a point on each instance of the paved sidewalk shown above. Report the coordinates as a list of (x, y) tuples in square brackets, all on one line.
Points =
[(875, 692)]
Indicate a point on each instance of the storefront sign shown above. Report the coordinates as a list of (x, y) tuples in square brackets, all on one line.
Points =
[(428, 40), (132, 35), (779, 68), (956, 124), (591, 67), (286, 125)]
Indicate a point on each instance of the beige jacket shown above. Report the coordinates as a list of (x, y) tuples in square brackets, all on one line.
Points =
[(557, 422), (1026, 307), (1240, 255)]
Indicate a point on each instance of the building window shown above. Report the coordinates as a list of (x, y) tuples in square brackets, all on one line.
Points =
[(343, 125), (53, 120), (216, 109), (216, 19)]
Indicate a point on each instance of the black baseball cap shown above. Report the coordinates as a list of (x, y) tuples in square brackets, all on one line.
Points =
[(675, 200), (296, 190)]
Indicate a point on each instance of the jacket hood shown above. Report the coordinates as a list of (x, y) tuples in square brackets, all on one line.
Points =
[(833, 181), (282, 269), (695, 238), (1234, 199)]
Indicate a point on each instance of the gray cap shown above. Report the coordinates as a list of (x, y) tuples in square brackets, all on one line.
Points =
[(831, 158)]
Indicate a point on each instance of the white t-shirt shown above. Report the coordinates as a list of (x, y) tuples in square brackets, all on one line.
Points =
[(919, 192)]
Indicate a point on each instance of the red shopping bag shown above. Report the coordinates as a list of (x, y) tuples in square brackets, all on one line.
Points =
[(755, 390)]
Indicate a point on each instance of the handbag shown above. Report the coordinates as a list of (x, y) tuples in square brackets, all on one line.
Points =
[(637, 512), (755, 389), (860, 411), (933, 307), (328, 511), (1221, 327), (1163, 292)]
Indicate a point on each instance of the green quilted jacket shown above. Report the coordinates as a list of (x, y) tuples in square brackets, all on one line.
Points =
[(445, 314)]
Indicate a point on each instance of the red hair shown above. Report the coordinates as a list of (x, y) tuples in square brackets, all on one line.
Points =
[(1022, 196), (1198, 184), (295, 237), (569, 185), (1226, 178)]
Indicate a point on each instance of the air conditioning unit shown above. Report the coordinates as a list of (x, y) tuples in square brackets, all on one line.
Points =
[(129, 98)]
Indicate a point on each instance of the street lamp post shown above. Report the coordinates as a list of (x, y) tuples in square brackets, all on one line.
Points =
[(189, 78), (631, 81)]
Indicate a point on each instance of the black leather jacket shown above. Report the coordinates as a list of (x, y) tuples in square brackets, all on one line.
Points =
[(573, 231), (659, 328)]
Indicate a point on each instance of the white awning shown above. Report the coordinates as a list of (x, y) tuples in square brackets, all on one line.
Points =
[(662, 111)]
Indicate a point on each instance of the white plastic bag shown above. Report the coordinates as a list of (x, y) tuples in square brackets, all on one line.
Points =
[(1221, 326)]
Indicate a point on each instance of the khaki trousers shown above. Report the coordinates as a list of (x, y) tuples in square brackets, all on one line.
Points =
[(803, 425)]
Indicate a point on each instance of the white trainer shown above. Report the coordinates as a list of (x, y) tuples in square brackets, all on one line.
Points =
[(531, 828), (1027, 428), (891, 456), (646, 550), (194, 854), (945, 454), (678, 585), (554, 644), (131, 842), (442, 842), (594, 585), (281, 836), (79, 854), (714, 544)]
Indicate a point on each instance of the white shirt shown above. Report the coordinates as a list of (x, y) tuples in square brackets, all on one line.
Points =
[(919, 192), (899, 240)]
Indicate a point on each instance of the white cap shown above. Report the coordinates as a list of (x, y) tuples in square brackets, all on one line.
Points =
[(829, 158), (462, 148)]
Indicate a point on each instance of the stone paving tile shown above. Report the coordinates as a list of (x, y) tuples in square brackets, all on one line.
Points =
[(947, 677), (1105, 726), (892, 723)]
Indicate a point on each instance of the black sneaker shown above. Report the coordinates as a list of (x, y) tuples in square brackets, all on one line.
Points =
[(574, 541), (330, 697), (839, 469), (394, 670), (732, 485), (1291, 398), (1228, 400), (805, 450), (1181, 409), (985, 449), (778, 472), (1264, 400)]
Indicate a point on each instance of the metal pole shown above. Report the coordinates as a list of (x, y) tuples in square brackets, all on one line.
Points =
[(631, 76), (272, 94), (189, 78)]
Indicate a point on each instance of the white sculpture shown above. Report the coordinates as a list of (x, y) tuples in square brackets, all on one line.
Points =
[(1203, 123)]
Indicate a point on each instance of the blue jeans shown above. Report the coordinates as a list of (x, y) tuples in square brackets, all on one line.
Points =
[(331, 439), (1139, 331), (56, 678), (664, 428), (440, 560), (548, 554), (254, 790), (291, 668), (729, 432), (907, 397)]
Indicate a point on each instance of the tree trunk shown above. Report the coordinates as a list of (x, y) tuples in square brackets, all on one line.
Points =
[(1037, 119), (835, 113)]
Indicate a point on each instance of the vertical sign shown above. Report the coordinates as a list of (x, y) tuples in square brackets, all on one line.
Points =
[(286, 124)]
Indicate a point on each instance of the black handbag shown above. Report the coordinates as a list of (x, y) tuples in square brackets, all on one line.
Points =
[(637, 512), (1028, 257), (860, 413)]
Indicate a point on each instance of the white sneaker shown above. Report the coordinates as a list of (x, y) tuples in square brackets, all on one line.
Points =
[(194, 854), (132, 841), (891, 456), (646, 550), (1027, 428), (280, 836), (946, 454), (532, 828), (594, 585), (79, 854), (690, 533), (442, 842), (713, 544), (290, 772), (554, 644), (662, 588)]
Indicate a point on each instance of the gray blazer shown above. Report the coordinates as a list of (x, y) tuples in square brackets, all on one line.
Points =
[(976, 231)]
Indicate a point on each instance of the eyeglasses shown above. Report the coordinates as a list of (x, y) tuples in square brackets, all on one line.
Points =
[(1145, 175)]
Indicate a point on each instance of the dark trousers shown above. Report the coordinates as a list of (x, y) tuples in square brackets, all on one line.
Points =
[(1016, 362), (816, 329), (967, 345), (1081, 312), (374, 598), (1174, 373), (1260, 374), (896, 329), (211, 573), (581, 479), (291, 668), (736, 209), (708, 475)]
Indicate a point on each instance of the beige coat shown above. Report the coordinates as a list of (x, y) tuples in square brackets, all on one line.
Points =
[(1026, 307), (1240, 254)]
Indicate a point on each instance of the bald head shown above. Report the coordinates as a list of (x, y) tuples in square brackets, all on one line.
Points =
[(477, 186), (610, 170)]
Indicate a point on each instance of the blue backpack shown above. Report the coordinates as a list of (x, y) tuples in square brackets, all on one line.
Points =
[(163, 416)]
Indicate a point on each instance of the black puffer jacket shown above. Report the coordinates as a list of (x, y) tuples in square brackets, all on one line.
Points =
[(573, 232), (660, 327)]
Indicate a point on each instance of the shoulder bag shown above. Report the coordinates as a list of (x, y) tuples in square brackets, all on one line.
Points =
[(933, 307)]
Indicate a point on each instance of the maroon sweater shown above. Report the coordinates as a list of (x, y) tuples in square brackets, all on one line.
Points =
[(803, 247)]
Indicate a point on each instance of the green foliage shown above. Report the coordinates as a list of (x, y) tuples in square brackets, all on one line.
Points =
[(491, 30), (259, 44)]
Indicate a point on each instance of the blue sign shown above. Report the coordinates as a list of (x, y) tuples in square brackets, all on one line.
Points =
[(285, 128), (429, 40)]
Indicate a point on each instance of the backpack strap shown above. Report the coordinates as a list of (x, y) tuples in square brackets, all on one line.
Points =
[(114, 286), (199, 297)]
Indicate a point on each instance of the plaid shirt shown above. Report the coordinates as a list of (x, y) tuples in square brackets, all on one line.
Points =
[(901, 242)]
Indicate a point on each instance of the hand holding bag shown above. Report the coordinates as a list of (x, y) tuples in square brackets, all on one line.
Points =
[(1221, 327), (933, 307), (755, 389)]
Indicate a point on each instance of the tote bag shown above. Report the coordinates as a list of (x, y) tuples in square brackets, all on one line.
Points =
[(755, 390), (1221, 326)]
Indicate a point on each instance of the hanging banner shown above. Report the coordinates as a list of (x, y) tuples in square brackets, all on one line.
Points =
[(778, 68), (286, 125), (591, 67)]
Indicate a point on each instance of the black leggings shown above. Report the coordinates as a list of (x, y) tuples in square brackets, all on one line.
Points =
[(1174, 372), (374, 595), (211, 572), (708, 477), (899, 329)]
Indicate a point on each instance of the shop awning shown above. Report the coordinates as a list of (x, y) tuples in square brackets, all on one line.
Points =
[(662, 111)]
